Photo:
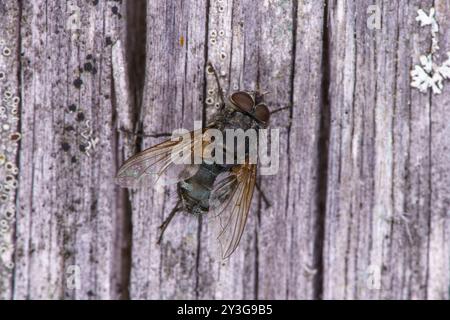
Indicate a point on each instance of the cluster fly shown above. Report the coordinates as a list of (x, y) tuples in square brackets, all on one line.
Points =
[(222, 190)]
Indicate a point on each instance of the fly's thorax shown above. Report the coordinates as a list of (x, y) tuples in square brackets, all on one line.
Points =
[(230, 118), (239, 135)]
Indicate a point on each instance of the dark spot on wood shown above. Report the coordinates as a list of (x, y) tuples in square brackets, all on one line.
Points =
[(95, 2), (94, 70), (115, 10), (77, 83), (70, 128), (88, 67), (65, 146), (89, 57), (74, 159), (72, 108), (108, 41), (82, 147), (80, 116)]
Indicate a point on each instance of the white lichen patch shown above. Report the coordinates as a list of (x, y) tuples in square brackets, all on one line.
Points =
[(429, 75), (427, 20)]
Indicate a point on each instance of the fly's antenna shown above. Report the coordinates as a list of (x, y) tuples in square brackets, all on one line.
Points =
[(281, 109), (211, 70)]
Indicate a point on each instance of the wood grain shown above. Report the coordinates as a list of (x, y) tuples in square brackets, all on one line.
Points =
[(67, 214), (379, 202), (359, 207)]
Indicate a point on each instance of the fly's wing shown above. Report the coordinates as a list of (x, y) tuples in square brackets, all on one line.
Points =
[(163, 164), (230, 203)]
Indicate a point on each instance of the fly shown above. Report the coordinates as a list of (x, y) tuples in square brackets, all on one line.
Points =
[(223, 190)]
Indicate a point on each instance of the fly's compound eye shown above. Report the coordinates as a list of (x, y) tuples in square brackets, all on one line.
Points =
[(262, 113), (243, 101)]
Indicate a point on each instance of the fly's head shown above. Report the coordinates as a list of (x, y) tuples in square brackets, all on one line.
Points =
[(251, 104)]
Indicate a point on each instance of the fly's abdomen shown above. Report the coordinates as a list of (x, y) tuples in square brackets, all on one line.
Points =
[(196, 190)]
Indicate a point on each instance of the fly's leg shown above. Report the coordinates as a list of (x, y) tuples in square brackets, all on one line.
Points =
[(169, 218), (281, 109), (289, 121), (216, 76), (266, 201), (142, 135)]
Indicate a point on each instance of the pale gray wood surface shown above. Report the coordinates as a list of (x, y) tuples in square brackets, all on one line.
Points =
[(67, 210), (360, 204), (385, 215)]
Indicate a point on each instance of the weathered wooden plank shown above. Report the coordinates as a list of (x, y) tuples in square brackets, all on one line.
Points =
[(225, 47), (66, 219), (173, 98), (231, 37), (378, 217), (307, 153)]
